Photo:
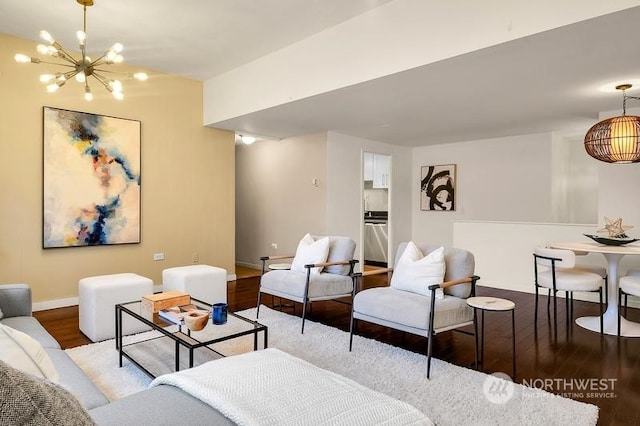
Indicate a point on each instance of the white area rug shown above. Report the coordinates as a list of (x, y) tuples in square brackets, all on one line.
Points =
[(453, 396)]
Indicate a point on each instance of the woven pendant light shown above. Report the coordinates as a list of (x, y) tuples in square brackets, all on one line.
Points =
[(616, 139)]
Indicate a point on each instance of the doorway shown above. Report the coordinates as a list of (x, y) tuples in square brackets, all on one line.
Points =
[(376, 183)]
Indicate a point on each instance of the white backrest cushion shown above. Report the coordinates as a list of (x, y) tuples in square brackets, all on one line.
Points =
[(415, 272), (24, 353), (567, 257), (310, 251)]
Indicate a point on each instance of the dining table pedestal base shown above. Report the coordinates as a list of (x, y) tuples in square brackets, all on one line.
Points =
[(627, 328)]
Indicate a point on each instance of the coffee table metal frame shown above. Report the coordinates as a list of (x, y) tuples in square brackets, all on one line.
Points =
[(180, 337)]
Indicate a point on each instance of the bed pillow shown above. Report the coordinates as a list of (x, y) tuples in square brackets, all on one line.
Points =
[(415, 272), (25, 399), (310, 251), (23, 352)]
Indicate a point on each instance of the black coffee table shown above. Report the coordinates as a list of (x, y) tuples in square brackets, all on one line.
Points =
[(180, 336)]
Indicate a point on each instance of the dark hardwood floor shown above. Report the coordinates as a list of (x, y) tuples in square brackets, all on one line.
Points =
[(544, 357)]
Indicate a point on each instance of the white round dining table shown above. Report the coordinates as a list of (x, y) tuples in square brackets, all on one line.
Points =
[(613, 255)]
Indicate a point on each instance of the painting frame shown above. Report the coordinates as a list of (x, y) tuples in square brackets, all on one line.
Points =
[(91, 179), (438, 187)]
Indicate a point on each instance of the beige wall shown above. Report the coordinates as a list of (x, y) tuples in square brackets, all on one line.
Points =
[(187, 179), (276, 200)]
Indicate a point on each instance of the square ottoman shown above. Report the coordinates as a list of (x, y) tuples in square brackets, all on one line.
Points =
[(98, 297), (202, 282)]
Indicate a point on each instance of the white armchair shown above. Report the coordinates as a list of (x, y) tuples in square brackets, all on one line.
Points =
[(312, 281), (426, 300)]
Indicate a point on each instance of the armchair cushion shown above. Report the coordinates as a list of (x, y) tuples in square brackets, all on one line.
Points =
[(415, 272), (459, 263), (340, 249), (409, 309), (291, 284), (310, 251)]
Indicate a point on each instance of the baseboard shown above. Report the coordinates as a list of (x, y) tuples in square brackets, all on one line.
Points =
[(54, 304), (73, 301), (250, 265)]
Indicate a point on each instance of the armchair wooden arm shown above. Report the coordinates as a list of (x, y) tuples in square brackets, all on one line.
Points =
[(264, 259), (472, 280), (280, 256)]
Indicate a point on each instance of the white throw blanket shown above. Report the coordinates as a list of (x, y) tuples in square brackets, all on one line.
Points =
[(273, 387)]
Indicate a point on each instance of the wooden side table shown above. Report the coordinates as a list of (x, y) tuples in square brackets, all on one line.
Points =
[(494, 304)]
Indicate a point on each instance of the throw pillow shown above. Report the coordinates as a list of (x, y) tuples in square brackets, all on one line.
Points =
[(310, 251), (415, 272), (23, 352), (28, 400)]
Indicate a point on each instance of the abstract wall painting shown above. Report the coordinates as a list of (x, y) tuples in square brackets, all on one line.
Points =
[(438, 187), (91, 179)]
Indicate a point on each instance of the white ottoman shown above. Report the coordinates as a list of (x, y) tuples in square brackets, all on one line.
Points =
[(202, 282), (98, 297)]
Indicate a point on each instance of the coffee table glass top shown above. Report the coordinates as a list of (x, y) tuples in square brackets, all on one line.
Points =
[(235, 325), (173, 339)]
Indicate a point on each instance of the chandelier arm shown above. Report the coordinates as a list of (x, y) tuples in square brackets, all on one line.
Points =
[(57, 63), (102, 80)]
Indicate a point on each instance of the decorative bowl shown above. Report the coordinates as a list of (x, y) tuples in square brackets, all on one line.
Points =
[(196, 320), (610, 241)]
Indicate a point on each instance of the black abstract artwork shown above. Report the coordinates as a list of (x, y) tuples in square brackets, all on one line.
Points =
[(438, 187)]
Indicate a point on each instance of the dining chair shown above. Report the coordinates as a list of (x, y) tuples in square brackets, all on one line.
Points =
[(629, 286), (555, 270)]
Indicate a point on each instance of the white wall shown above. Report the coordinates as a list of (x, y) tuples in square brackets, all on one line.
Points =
[(345, 189), (276, 200), (505, 179)]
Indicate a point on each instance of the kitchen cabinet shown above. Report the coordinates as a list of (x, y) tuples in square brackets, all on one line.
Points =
[(376, 169), (380, 171)]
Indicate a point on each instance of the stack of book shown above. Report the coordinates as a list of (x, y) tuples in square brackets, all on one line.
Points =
[(175, 314)]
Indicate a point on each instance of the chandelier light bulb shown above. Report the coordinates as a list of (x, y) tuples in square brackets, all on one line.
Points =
[(82, 37), (88, 96), (118, 95), (80, 77), (43, 50), (47, 37), (53, 87), (117, 47), (142, 76), (115, 85), (46, 78), (22, 59)]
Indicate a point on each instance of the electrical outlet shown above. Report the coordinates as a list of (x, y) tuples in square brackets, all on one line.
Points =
[(195, 258), (158, 256), (274, 246)]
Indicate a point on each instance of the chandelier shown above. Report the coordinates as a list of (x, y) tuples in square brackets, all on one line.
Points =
[(82, 68), (616, 139)]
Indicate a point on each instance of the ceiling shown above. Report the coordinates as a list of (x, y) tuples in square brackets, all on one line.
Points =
[(545, 82)]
